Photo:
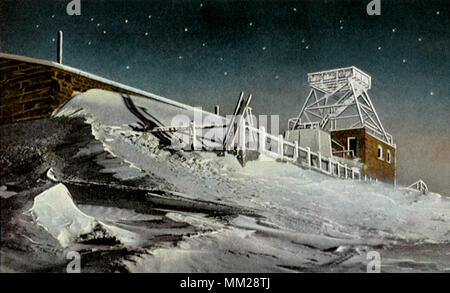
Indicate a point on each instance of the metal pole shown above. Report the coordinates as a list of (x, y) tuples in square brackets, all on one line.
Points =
[(60, 48), (193, 136)]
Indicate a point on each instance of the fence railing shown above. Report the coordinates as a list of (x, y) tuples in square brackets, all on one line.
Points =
[(252, 138), (278, 148)]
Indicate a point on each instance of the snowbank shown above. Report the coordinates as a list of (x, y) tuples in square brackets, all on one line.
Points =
[(290, 197), (304, 213), (56, 212)]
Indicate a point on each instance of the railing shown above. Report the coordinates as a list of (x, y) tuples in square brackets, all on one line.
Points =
[(276, 147), (251, 138), (348, 154)]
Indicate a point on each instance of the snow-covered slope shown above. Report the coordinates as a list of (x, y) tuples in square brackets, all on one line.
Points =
[(303, 218)]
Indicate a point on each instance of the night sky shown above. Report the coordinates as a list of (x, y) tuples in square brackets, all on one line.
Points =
[(205, 52)]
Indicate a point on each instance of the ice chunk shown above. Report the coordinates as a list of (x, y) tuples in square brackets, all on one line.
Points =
[(56, 212)]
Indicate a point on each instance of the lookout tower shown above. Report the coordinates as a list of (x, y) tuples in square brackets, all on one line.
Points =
[(339, 104)]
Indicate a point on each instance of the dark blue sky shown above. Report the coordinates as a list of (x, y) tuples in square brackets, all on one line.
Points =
[(205, 52)]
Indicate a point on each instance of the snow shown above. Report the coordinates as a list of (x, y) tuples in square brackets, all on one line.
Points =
[(301, 213), (56, 212), (4, 193)]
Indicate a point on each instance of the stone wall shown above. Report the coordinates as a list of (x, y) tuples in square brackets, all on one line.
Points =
[(31, 90)]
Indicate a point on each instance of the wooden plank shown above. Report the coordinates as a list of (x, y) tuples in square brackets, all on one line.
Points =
[(233, 118), (240, 116)]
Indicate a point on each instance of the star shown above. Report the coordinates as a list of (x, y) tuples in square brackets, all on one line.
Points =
[(104, 32), (341, 21), (201, 4), (438, 12), (342, 27), (98, 24), (53, 40), (379, 48), (53, 16), (149, 16), (89, 43), (264, 48), (128, 67), (37, 25), (92, 19), (186, 29), (225, 73), (126, 20), (303, 40), (221, 58), (420, 39), (204, 44), (307, 47), (146, 33), (432, 93), (250, 24), (180, 57), (295, 9), (394, 30), (277, 77), (404, 60)]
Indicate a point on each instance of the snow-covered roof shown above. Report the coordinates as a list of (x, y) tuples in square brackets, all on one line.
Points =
[(100, 79)]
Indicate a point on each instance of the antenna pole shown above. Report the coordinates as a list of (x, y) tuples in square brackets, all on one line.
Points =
[(59, 55)]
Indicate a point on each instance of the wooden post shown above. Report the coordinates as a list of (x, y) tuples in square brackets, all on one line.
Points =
[(216, 110), (339, 170), (319, 157), (295, 151), (262, 139), (193, 136), (308, 156), (59, 54), (250, 138), (280, 146), (242, 136), (346, 169)]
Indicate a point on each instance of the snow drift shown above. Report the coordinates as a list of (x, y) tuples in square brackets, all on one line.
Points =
[(55, 211), (300, 211)]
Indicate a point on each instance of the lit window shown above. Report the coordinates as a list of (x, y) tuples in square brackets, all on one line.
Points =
[(389, 156), (380, 152)]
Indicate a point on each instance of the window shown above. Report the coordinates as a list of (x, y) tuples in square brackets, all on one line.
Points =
[(352, 145), (380, 152), (389, 156)]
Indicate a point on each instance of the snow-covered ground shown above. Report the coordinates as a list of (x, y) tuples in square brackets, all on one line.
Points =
[(293, 219)]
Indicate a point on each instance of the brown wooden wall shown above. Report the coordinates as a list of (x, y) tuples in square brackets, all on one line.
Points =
[(29, 90), (368, 152)]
